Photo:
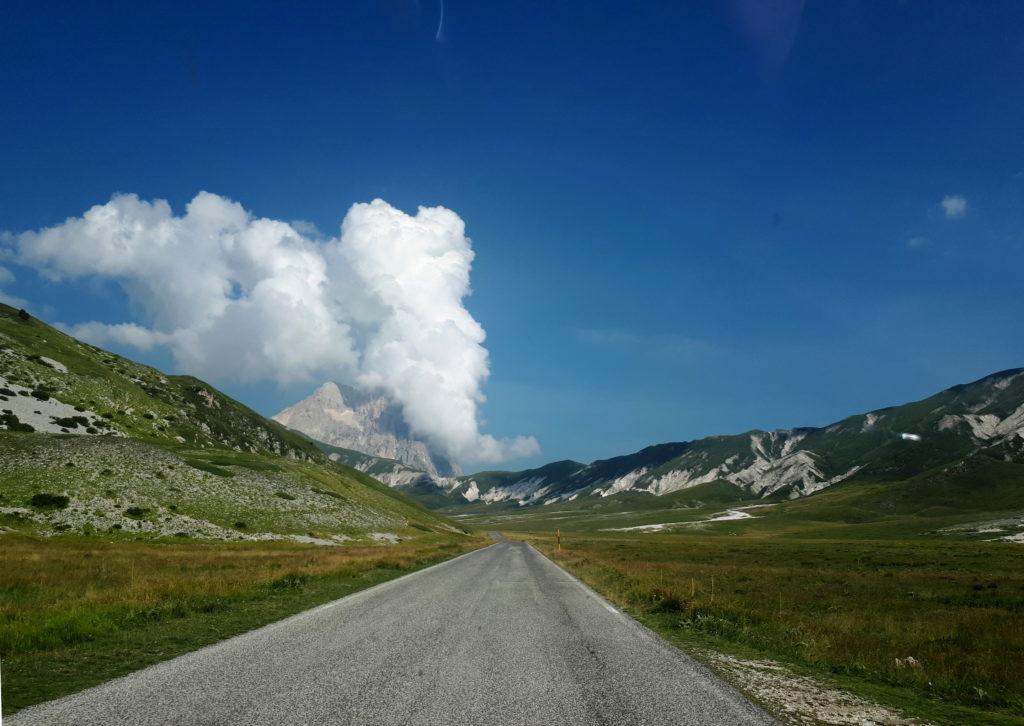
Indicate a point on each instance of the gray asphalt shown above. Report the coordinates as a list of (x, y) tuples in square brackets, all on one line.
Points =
[(499, 636)]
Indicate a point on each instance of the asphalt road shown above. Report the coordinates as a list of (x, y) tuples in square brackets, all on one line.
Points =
[(499, 636)]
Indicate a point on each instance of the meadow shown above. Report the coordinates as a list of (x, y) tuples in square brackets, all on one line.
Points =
[(77, 611), (842, 611)]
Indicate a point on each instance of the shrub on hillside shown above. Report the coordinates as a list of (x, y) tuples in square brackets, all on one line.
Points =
[(13, 423), (48, 500)]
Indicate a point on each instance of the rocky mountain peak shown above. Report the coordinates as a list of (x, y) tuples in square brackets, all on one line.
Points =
[(365, 421)]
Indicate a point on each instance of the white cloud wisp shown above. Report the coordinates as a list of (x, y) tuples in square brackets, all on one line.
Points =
[(233, 296), (954, 206)]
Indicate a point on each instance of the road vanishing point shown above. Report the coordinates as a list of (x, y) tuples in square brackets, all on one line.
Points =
[(498, 636)]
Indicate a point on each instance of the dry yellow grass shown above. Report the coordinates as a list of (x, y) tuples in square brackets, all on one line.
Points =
[(62, 591), (75, 612), (845, 608)]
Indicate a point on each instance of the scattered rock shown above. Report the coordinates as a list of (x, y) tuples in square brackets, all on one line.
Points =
[(908, 662), (801, 700)]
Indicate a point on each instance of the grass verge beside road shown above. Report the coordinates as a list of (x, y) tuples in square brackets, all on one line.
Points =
[(75, 612), (841, 611)]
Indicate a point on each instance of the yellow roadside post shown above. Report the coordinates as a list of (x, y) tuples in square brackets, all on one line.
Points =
[(558, 538)]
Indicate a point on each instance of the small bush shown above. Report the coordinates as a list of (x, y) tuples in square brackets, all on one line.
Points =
[(71, 422), (241, 525), (23, 315), (48, 500), (13, 423), (40, 395), (285, 495), (136, 512)]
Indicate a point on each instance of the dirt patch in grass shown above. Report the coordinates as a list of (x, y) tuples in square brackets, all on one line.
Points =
[(800, 699)]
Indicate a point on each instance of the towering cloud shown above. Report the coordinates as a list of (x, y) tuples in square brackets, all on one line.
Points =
[(235, 296)]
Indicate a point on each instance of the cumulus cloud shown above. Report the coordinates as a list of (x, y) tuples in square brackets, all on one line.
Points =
[(233, 296), (954, 206)]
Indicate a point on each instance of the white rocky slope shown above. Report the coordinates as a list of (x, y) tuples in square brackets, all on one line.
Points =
[(367, 422), (985, 417)]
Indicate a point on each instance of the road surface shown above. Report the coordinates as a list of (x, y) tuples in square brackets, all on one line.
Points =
[(498, 636)]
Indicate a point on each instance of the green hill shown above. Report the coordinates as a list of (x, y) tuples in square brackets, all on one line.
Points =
[(92, 442)]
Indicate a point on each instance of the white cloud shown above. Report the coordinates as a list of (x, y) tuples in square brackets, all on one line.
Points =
[(917, 242), (239, 297), (954, 206), (124, 333)]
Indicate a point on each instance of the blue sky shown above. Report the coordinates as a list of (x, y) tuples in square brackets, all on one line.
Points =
[(687, 220)]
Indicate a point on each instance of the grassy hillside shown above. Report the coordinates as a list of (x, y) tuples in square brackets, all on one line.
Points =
[(118, 396), (96, 444), (982, 497)]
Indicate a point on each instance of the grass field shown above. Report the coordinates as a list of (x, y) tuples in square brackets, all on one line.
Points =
[(836, 586), (75, 611), (840, 610)]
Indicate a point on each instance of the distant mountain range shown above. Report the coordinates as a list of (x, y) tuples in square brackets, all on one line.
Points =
[(980, 419), (366, 422)]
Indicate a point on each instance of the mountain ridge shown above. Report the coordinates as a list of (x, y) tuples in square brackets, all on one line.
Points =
[(985, 416)]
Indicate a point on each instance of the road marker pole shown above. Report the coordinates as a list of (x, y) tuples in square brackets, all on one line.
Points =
[(558, 538)]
